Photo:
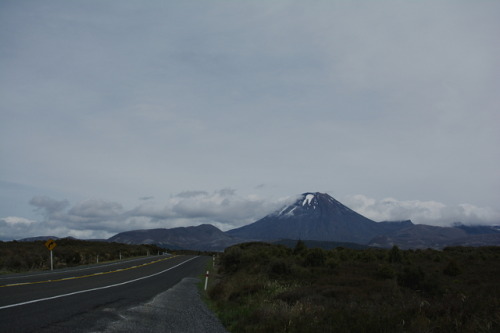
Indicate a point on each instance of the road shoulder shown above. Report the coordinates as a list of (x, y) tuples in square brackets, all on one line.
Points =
[(179, 309)]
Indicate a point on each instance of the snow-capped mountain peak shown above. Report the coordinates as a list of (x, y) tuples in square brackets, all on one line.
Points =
[(309, 197), (313, 215), (306, 202)]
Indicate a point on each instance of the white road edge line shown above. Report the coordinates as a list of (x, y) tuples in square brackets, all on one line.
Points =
[(94, 289)]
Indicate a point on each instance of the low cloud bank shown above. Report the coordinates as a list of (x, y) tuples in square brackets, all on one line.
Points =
[(422, 212), (102, 219), (224, 209)]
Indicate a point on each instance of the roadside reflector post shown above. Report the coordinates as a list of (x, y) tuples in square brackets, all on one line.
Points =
[(51, 261), (97, 258), (206, 280)]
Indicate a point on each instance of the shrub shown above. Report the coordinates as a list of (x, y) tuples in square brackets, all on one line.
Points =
[(279, 267), (385, 271), (369, 292), (300, 248), (231, 259), (315, 257), (332, 263), (411, 277), (452, 269), (395, 255)]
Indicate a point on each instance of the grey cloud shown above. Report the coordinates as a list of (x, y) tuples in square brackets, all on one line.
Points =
[(96, 209), (190, 194), (17, 227), (84, 217), (151, 211), (224, 208), (226, 192), (48, 205)]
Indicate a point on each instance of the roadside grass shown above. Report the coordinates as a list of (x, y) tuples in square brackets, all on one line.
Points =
[(211, 267), (269, 288)]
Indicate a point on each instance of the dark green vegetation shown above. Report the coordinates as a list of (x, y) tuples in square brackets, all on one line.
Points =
[(322, 244), (29, 256), (272, 288)]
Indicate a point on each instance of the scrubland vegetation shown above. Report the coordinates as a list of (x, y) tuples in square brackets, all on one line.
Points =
[(272, 288), (29, 256)]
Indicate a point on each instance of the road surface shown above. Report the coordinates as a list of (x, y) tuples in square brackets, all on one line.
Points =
[(89, 299)]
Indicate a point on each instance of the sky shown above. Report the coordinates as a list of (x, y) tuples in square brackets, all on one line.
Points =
[(125, 114)]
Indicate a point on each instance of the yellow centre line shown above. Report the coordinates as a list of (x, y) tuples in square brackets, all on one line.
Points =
[(86, 276)]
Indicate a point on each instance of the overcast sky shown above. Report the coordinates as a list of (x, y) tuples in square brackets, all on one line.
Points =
[(119, 115)]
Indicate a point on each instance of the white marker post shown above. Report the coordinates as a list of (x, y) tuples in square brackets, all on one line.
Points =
[(206, 280), (51, 261)]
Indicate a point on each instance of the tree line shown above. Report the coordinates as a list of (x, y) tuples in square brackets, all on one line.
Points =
[(29, 256)]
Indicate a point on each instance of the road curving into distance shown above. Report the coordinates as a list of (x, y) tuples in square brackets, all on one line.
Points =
[(82, 299)]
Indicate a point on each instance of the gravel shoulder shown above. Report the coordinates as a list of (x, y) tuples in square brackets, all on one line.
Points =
[(179, 309)]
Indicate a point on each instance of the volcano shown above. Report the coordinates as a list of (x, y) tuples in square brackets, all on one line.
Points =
[(317, 216)]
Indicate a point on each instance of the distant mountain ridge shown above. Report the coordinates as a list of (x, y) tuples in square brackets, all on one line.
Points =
[(426, 236), (37, 238), (203, 237)]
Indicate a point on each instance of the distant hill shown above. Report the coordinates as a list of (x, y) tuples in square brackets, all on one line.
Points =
[(38, 238), (478, 229), (419, 236), (426, 236), (203, 237)]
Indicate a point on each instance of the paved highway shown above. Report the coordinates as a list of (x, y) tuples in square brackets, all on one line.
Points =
[(83, 300)]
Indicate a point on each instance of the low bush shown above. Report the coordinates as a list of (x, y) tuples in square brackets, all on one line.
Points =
[(268, 288)]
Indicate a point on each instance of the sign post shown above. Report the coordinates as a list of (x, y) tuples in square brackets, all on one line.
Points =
[(50, 244)]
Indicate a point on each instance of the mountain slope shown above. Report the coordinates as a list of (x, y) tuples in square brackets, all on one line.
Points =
[(316, 216)]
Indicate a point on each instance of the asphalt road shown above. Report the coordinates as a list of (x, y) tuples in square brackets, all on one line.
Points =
[(86, 300)]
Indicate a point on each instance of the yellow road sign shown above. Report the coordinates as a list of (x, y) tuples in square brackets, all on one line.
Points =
[(50, 244)]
